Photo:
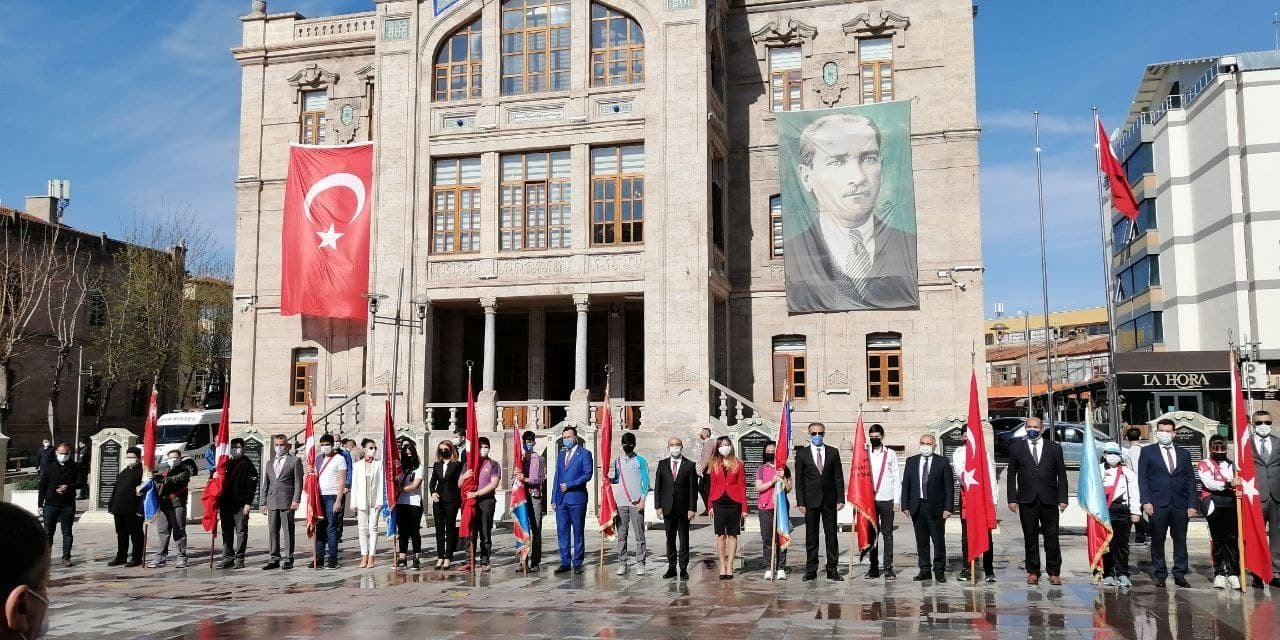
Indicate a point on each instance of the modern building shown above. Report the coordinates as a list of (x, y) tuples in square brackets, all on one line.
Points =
[(1197, 272), (1017, 329), (581, 196)]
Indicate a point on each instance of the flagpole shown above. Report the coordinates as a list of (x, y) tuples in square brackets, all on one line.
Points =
[(1104, 209), (604, 482), (1244, 585), (853, 528), (471, 539), (213, 541), (1044, 282)]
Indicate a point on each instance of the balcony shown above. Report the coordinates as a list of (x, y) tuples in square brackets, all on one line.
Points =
[(346, 25), (1132, 136)]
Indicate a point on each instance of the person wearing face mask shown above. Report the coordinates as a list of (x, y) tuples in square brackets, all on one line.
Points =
[(24, 575), (487, 481), (1218, 500), (409, 505), (45, 456), (1037, 488), (84, 458), (279, 495), (629, 481), (888, 492), (820, 496), (928, 491), (57, 496), (366, 498), (125, 506), (332, 471), (238, 488), (770, 488), (532, 473), (706, 449), (959, 462), (1120, 486), (172, 477), (1167, 483), (1266, 464), (446, 499), (574, 470), (1131, 450), (675, 496), (729, 503)]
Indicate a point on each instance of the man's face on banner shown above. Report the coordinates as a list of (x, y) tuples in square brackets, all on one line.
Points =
[(845, 173)]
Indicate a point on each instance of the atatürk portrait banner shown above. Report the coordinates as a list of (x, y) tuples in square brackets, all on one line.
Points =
[(848, 208)]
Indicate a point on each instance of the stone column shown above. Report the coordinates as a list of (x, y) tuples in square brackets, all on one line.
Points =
[(486, 400), (537, 352), (579, 400)]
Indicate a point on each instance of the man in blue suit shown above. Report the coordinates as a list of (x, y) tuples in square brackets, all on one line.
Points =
[(1167, 484), (573, 472)]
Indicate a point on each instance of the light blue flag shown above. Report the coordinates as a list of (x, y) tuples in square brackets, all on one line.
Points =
[(1093, 498), (150, 499), (781, 507)]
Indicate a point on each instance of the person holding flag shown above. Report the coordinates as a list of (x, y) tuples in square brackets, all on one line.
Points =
[(280, 496), (518, 501), (484, 494), (887, 487), (408, 505), (532, 475), (1260, 555), (574, 470), (234, 502), (1218, 476), (1124, 503), (960, 463), (1093, 500), (629, 481), (772, 488), (331, 478), (172, 479), (126, 510), (367, 498)]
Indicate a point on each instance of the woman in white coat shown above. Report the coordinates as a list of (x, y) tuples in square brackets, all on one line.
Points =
[(367, 482)]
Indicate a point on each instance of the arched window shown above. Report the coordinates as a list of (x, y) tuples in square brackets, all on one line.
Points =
[(535, 46), (457, 68), (617, 48), (775, 226)]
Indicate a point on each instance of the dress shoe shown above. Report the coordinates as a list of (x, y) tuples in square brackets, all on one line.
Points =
[(810, 575), (922, 576), (66, 562), (890, 575), (991, 579), (965, 575), (1055, 581), (564, 568), (274, 564), (1182, 582), (577, 571), (133, 563), (1160, 584), (835, 576), (227, 564), (725, 577), (684, 574), (939, 577), (286, 565), (872, 574), (1033, 579), (115, 562), (331, 564), (239, 563)]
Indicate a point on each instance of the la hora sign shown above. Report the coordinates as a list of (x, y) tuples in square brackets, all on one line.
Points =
[(1174, 380)]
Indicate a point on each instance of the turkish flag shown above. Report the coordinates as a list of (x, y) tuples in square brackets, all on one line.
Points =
[(979, 516), (325, 240), (1257, 550), (1121, 195)]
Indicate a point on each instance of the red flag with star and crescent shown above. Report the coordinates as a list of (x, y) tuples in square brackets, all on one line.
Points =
[(324, 268), (1121, 194), (1257, 551), (979, 516)]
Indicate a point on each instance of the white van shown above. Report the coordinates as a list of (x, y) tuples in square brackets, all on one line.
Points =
[(191, 433)]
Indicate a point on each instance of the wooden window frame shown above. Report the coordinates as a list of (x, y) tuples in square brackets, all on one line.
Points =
[(630, 52), (615, 225), (548, 185), (775, 227), (790, 373), (302, 375), (781, 84), (448, 220), (875, 76), (469, 69), (311, 123), (548, 33), (878, 362)]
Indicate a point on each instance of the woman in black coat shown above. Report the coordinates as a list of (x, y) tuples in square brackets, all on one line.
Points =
[(446, 499), (126, 509)]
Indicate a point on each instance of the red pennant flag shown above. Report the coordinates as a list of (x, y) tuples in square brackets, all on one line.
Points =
[(860, 492), (608, 505), (979, 508), (1257, 550), (1121, 195), (311, 483), (149, 433), (390, 459), (221, 451), (324, 268), (473, 465)]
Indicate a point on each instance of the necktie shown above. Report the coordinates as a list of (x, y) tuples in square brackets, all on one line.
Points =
[(924, 479), (820, 459), (1035, 452), (279, 463), (1168, 458), (675, 468), (1266, 449), (857, 265)]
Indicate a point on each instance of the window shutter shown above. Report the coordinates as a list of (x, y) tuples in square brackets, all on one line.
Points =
[(875, 49), (784, 59), (314, 101), (781, 364)]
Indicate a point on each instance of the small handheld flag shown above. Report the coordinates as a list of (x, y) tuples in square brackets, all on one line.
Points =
[(521, 521), (782, 508)]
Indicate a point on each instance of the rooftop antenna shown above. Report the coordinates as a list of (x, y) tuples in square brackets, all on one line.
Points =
[(1275, 25), (60, 189)]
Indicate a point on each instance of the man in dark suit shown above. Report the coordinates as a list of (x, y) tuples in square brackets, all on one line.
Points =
[(857, 252), (927, 495), (675, 496), (569, 498), (1167, 484), (819, 495), (1266, 462), (279, 496), (1037, 487)]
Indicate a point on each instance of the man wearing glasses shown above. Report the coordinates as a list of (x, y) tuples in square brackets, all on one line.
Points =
[(1266, 461)]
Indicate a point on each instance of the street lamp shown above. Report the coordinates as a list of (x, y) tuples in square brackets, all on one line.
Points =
[(421, 309)]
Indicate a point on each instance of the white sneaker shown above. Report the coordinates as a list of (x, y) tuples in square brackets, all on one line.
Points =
[(640, 569), (1219, 582), (1233, 582), (622, 569), (782, 574), (768, 574), (1108, 581), (1125, 581)]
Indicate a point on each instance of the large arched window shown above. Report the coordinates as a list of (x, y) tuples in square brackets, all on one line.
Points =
[(457, 68), (617, 48), (535, 46)]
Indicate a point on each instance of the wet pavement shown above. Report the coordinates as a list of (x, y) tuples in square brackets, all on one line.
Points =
[(91, 600)]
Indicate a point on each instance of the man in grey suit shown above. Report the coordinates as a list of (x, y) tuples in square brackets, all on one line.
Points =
[(279, 495), (1266, 461)]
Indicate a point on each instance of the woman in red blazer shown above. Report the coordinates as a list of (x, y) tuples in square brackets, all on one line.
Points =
[(728, 497)]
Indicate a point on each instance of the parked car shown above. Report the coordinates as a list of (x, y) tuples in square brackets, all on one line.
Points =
[(1002, 430), (1068, 434)]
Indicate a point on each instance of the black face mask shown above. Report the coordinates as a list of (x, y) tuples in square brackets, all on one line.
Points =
[(628, 448), (1218, 457), (443, 453), (876, 442), (769, 456)]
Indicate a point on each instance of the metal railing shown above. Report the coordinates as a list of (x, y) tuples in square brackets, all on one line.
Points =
[(336, 26), (350, 406), (627, 414), (1132, 135)]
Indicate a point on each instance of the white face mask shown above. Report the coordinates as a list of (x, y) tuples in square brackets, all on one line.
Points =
[(1164, 437), (326, 449), (172, 462), (1113, 459), (281, 450), (725, 450), (131, 462), (1262, 430), (675, 451), (926, 450), (484, 452), (45, 444), (63, 457), (371, 453)]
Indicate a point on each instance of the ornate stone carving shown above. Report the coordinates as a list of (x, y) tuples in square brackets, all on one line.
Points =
[(368, 73), (456, 121), (789, 32), (832, 80), (258, 7), (540, 114), (344, 119), (338, 385), (615, 262), (614, 107), (581, 302), (312, 77), (453, 270), (534, 266), (775, 272), (383, 379), (864, 25), (683, 374), (679, 4), (489, 304), (838, 378), (394, 29)]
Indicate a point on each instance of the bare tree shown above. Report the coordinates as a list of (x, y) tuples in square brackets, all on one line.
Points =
[(73, 284), (27, 260)]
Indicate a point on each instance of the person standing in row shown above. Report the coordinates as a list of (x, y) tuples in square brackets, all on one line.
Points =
[(706, 449), (1131, 450), (959, 462), (57, 499), (574, 470), (887, 487), (488, 479), (173, 478), (728, 501), (279, 495), (83, 458), (675, 496), (1037, 488), (771, 487), (1218, 475), (126, 509), (367, 496), (234, 504), (928, 491), (533, 474), (1120, 485), (409, 505), (1167, 483), (1266, 463), (446, 499), (629, 480), (820, 496), (331, 467)]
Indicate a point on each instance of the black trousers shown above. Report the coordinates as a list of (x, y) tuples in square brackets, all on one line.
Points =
[(128, 531), (60, 515), (1040, 519), (483, 526), (446, 517), (535, 531), (884, 515), (1115, 562), (235, 532), (409, 527), (931, 543), (1226, 539), (988, 558), (677, 526), (1165, 522), (824, 517)]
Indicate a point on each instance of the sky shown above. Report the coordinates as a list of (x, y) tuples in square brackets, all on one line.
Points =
[(136, 102)]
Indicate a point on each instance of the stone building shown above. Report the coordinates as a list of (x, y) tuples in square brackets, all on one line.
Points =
[(569, 187)]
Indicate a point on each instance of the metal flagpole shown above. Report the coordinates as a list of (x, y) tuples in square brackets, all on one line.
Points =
[(605, 484), (1026, 339), (1245, 448), (853, 530), (973, 562), (1044, 282), (1104, 213)]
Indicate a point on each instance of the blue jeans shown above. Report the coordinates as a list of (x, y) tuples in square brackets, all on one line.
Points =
[(571, 521), (328, 539)]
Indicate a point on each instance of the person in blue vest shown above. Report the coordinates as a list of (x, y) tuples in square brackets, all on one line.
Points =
[(573, 472)]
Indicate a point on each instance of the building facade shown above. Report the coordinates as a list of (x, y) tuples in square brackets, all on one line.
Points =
[(573, 195)]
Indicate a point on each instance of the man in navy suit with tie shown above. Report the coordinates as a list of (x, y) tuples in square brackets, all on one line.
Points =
[(573, 472), (1167, 484), (927, 495)]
